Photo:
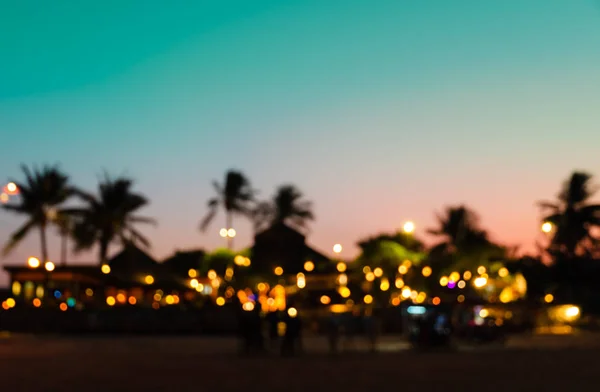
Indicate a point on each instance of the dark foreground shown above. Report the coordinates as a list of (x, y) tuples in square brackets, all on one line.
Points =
[(192, 364)]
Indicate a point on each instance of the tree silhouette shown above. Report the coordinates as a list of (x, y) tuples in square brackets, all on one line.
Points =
[(234, 197), (286, 206), (40, 195), (465, 245), (108, 217), (573, 217)]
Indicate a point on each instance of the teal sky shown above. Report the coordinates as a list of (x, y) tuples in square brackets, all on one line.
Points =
[(380, 111)]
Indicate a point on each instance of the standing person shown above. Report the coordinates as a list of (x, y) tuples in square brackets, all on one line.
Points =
[(292, 334), (273, 331), (333, 333)]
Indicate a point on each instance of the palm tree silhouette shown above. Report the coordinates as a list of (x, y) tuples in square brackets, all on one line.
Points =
[(108, 217), (234, 197), (40, 195), (572, 217), (465, 245), (286, 206)]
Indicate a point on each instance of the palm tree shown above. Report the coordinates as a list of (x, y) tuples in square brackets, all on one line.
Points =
[(573, 217), (286, 206), (465, 245), (65, 230), (108, 217), (42, 192), (234, 197)]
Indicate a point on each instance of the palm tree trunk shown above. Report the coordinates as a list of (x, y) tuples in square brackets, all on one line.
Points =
[(229, 219), (44, 245), (103, 251)]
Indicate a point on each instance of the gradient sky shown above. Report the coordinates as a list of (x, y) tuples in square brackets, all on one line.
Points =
[(380, 111)]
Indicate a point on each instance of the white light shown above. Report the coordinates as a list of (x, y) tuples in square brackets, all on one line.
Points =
[(409, 227), (337, 248), (231, 233)]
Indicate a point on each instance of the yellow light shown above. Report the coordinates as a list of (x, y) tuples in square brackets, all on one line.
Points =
[(49, 266), (444, 281), (467, 275), (192, 273), (200, 287), (157, 296), (33, 262), (548, 298), (121, 298), (301, 282), (455, 276), (223, 232), (402, 269), (481, 270), (378, 272), (436, 300), (572, 312), (170, 300), (370, 276), (480, 282), (63, 306), (345, 292), (368, 299), (248, 306), (11, 303), (343, 279), (399, 283), (105, 269), (421, 297), (215, 283), (39, 292), (110, 301), (292, 312), (16, 288), (309, 266), (341, 267), (384, 285), (547, 227), (461, 284), (239, 260), (89, 292), (337, 248), (366, 269), (409, 227), (261, 287), (194, 283), (4, 199), (231, 233), (37, 302), (426, 271), (325, 300), (460, 298), (212, 274), (406, 292), (132, 300), (278, 271), (247, 262), (503, 272), (149, 279), (483, 313), (220, 301)]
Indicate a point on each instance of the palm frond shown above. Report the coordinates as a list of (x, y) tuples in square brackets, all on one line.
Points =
[(18, 236)]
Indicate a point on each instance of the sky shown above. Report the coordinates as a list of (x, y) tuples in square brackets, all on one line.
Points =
[(380, 111)]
